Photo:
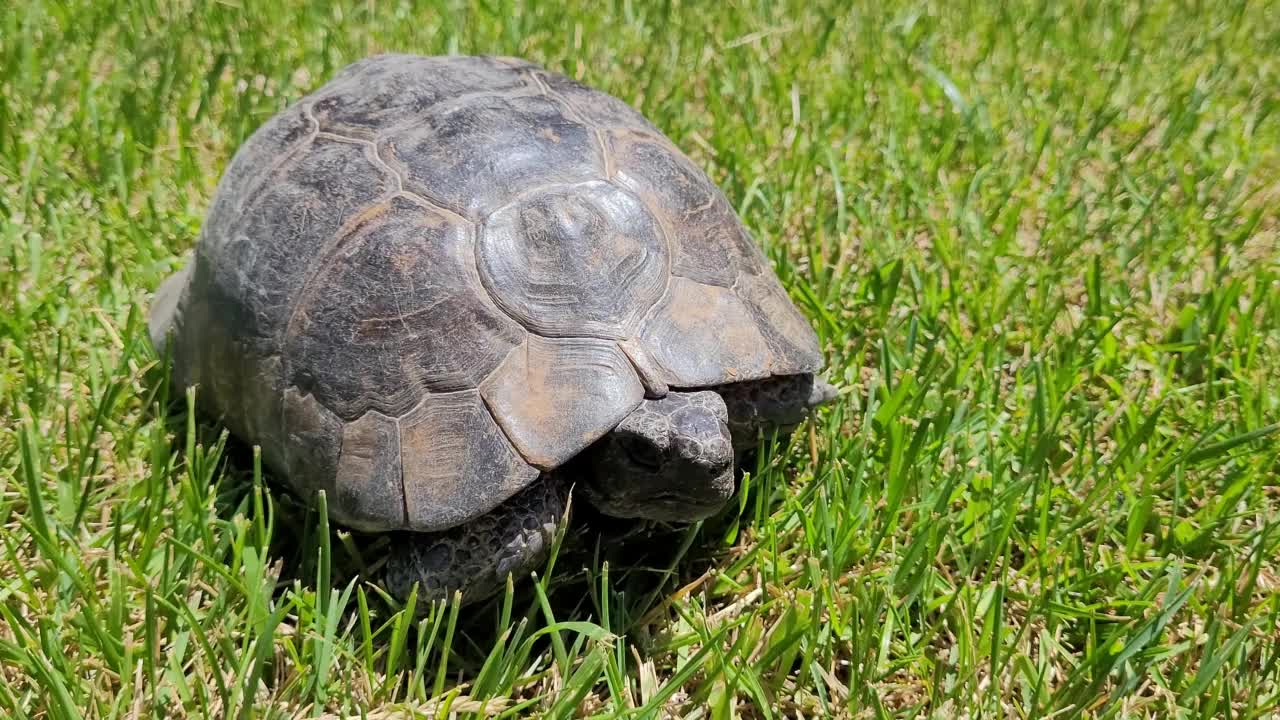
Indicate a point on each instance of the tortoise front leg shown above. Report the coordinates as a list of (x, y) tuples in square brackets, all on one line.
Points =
[(476, 556), (777, 403)]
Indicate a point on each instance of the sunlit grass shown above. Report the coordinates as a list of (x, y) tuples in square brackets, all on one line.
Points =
[(1039, 242)]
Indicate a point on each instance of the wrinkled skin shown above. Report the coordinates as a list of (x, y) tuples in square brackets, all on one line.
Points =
[(671, 460)]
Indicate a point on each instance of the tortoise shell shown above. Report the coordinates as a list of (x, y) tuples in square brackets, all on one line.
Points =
[(434, 278)]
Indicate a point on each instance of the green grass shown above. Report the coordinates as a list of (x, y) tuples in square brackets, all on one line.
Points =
[(1040, 241)]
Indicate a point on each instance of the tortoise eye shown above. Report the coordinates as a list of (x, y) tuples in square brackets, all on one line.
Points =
[(641, 453)]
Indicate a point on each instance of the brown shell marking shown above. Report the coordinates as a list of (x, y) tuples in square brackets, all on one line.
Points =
[(700, 337), (555, 396), (457, 462), (575, 260)]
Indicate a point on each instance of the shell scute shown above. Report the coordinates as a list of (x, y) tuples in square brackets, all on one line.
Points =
[(707, 239), (555, 396), (383, 91), (396, 311), (458, 464), (475, 157), (574, 260)]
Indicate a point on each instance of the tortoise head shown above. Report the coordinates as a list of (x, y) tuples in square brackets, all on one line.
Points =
[(669, 460)]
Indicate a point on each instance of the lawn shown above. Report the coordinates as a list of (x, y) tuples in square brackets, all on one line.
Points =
[(1040, 243)]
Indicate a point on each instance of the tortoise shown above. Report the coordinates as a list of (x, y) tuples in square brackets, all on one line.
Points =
[(444, 290)]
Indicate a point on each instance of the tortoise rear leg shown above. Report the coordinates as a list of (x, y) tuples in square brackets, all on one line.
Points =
[(476, 557)]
